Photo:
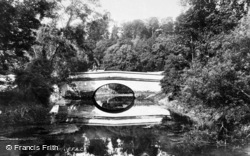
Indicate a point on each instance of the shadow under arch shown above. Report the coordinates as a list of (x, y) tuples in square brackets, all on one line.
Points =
[(113, 98)]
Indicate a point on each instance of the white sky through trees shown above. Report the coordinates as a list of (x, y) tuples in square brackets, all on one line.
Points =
[(125, 10), (128, 10)]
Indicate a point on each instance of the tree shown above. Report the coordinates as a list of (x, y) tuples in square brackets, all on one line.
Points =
[(137, 48), (152, 25), (200, 28), (205, 20), (54, 52), (136, 28), (211, 67), (70, 47), (115, 33), (98, 29), (19, 20), (101, 47), (167, 25)]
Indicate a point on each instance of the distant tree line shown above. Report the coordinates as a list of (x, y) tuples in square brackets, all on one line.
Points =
[(136, 46)]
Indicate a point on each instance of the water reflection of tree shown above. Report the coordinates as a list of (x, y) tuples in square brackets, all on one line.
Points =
[(135, 140), (98, 147), (138, 145), (117, 103), (119, 88), (132, 140)]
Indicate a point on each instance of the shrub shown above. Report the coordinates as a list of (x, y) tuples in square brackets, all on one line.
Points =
[(36, 81)]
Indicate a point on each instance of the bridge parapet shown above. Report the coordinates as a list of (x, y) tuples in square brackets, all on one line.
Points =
[(118, 74), (137, 81)]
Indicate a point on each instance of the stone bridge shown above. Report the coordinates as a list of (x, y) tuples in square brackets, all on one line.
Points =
[(137, 81), (142, 112)]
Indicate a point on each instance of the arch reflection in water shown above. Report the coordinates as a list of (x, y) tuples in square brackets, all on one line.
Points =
[(114, 98)]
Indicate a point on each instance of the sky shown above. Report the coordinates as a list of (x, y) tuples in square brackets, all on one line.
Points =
[(128, 10)]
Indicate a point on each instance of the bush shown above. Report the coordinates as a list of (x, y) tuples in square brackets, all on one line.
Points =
[(35, 82), (173, 79), (20, 113)]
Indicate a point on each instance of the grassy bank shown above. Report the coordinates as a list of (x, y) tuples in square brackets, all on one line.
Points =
[(18, 109)]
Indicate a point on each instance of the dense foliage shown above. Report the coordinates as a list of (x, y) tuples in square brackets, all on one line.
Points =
[(211, 66), (18, 22), (40, 50), (136, 46), (41, 43)]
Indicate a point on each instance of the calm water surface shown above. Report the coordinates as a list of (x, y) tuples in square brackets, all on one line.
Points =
[(79, 140), (82, 140)]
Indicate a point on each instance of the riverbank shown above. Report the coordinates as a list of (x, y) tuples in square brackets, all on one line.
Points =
[(208, 125), (24, 114), (18, 110)]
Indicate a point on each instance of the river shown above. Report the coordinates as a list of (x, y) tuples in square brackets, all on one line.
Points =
[(82, 140), (77, 139)]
